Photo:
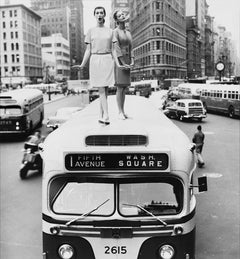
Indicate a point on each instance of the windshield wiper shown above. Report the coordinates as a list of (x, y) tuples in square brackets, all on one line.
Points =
[(86, 214), (148, 212)]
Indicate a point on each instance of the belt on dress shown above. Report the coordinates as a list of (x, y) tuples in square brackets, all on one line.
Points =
[(105, 53)]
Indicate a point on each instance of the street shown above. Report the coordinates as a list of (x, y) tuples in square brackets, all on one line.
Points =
[(217, 234)]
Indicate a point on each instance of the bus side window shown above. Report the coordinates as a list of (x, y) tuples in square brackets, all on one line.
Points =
[(229, 94), (225, 94)]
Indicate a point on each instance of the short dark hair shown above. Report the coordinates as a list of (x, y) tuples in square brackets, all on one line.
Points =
[(115, 15), (199, 127), (99, 7)]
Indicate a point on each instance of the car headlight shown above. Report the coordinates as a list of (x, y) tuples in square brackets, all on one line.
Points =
[(65, 251), (166, 252)]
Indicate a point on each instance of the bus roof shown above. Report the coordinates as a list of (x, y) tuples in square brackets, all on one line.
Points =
[(221, 87), (21, 95), (144, 119)]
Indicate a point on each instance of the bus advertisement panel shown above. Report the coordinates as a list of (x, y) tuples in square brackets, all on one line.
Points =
[(21, 110), (119, 191)]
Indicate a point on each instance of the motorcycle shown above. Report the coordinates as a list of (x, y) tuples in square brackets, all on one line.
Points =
[(31, 159)]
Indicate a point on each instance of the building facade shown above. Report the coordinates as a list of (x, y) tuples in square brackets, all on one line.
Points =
[(55, 21), (77, 46), (20, 45), (58, 48), (159, 39)]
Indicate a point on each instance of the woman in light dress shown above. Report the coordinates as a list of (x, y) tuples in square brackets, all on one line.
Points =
[(100, 41), (123, 48)]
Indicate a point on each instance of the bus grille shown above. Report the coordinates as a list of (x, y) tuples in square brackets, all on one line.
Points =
[(195, 111), (116, 140)]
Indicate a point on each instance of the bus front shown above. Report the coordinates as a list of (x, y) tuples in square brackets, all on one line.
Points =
[(12, 119), (123, 203)]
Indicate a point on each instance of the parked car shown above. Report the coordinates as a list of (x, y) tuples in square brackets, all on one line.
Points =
[(61, 116), (185, 109)]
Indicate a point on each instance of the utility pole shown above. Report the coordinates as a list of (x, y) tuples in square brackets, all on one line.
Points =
[(47, 81)]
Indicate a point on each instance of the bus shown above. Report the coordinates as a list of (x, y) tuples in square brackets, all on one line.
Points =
[(125, 190), (21, 110), (189, 90), (223, 99), (171, 83), (140, 88), (52, 88)]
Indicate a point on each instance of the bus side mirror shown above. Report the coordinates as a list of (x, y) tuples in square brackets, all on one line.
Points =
[(202, 184)]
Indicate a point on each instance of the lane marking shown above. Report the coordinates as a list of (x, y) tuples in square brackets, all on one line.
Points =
[(213, 175)]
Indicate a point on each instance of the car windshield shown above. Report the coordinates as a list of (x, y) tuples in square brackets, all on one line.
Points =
[(159, 196)]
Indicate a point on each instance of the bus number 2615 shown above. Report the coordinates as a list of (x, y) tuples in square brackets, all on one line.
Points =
[(115, 250)]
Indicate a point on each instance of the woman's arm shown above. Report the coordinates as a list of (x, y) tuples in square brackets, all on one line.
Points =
[(85, 57)]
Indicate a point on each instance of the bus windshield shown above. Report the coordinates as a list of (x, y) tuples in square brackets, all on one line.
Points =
[(15, 110), (160, 196)]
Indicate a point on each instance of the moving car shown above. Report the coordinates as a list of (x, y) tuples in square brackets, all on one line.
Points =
[(186, 109), (61, 116)]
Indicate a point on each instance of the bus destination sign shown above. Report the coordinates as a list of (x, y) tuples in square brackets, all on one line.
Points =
[(116, 161)]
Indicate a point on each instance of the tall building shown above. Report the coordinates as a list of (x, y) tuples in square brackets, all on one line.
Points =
[(55, 21), (77, 45), (209, 47), (195, 16), (159, 39), (20, 45), (57, 47)]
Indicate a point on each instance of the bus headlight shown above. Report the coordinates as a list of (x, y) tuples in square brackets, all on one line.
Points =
[(65, 251), (166, 252)]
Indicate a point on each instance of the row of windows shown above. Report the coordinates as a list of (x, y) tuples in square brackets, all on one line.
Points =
[(32, 49), (11, 13), (12, 24), (160, 45), (221, 94), (14, 58), (14, 46), (32, 60), (11, 70), (49, 45), (158, 59), (13, 35)]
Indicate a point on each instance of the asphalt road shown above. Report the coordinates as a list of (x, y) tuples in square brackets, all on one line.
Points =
[(217, 210)]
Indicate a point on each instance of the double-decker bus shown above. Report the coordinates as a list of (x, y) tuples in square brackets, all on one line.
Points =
[(223, 99), (21, 110), (119, 191)]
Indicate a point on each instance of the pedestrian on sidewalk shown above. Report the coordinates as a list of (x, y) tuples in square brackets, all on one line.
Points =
[(198, 139), (123, 48), (99, 40)]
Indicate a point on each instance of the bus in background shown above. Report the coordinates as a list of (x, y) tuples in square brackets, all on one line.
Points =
[(21, 110), (52, 88), (224, 99), (171, 83), (189, 90), (140, 88), (119, 191)]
